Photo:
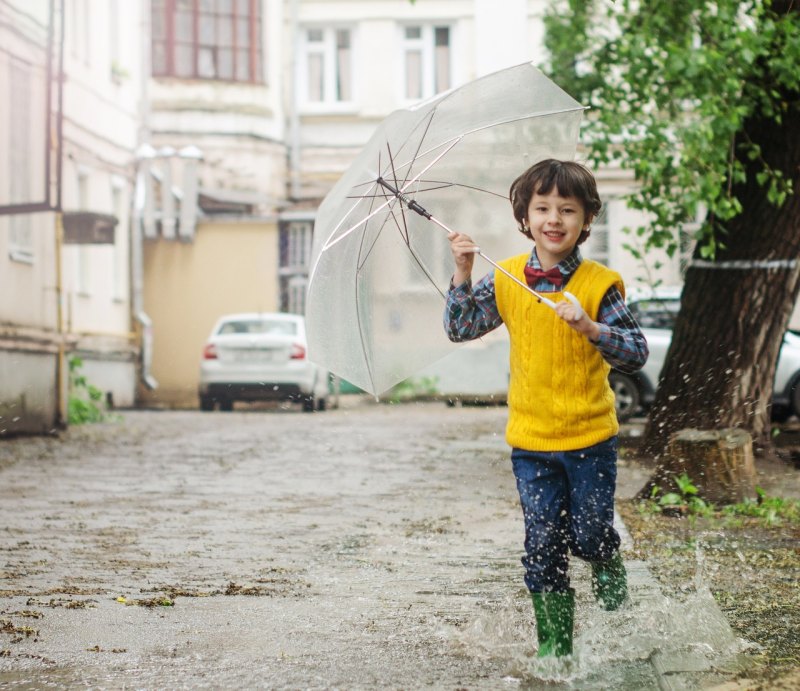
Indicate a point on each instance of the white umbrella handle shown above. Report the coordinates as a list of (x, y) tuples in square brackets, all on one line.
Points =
[(577, 304)]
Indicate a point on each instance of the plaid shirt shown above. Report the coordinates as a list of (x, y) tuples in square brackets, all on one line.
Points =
[(472, 312)]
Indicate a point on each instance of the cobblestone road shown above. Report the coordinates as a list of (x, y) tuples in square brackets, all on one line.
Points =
[(369, 546)]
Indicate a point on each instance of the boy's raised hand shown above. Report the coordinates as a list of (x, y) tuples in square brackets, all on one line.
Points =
[(463, 248)]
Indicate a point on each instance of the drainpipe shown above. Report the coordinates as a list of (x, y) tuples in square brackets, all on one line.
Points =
[(61, 370), (142, 206), (294, 115), (142, 323)]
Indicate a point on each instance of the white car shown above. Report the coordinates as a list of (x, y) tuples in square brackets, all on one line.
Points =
[(260, 357), (656, 311)]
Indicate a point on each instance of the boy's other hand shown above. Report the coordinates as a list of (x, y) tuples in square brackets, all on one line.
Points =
[(463, 249)]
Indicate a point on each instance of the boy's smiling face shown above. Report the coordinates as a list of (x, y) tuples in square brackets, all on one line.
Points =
[(556, 223)]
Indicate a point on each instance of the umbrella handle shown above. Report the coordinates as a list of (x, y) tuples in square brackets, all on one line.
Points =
[(577, 304)]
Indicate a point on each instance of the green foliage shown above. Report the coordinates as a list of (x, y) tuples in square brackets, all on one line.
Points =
[(671, 86), (771, 511), (85, 401), (413, 387), (686, 498)]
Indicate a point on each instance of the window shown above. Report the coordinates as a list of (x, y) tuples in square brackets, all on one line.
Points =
[(427, 57), (656, 313), (295, 255), (596, 247), (119, 271), (82, 251), (19, 158), (80, 32), (207, 39), (326, 66)]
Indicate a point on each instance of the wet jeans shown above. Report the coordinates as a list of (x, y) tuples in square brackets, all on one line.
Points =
[(567, 502)]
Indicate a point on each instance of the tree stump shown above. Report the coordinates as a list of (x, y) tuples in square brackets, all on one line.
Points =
[(719, 463)]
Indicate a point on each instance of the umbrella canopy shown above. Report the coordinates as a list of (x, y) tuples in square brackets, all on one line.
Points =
[(380, 272)]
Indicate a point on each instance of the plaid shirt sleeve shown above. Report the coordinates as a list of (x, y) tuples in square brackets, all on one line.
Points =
[(470, 311), (622, 343)]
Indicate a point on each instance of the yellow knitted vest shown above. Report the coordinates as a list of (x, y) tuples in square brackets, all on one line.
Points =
[(559, 398)]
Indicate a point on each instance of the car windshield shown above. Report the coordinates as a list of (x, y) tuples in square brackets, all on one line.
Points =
[(656, 313), (259, 326)]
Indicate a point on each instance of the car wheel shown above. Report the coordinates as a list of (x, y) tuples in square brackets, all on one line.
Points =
[(796, 399), (322, 404), (226, 404), (626, 395), (780, 413), (309, 404), (206, 403)]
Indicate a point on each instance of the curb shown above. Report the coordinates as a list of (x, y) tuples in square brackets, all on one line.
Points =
[(682, 668)]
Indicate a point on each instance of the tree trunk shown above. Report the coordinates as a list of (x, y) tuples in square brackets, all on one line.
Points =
[(720, 366), (719, 462)]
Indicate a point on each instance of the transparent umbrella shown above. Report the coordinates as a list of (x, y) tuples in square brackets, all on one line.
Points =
[(381, 262)]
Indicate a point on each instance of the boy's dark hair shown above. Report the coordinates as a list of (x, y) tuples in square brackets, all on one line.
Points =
[(569, 178)]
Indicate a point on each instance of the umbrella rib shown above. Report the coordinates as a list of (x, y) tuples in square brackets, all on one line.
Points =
[(449, 146), (406, 235), (347, 232), (491, 125), (401, 228), (419, 175), (419, 145)]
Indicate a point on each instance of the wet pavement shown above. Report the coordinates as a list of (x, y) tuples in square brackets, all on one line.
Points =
[(369, 546)]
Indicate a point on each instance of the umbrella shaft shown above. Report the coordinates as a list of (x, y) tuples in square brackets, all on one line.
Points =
[(538, 296), (411, 204)]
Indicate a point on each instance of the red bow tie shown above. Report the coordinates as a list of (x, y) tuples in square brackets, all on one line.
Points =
[(533, 275)]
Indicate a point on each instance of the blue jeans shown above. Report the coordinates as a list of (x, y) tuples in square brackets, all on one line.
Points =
[(567, 502)]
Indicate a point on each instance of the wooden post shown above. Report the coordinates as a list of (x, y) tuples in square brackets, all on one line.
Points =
[(719, 463)]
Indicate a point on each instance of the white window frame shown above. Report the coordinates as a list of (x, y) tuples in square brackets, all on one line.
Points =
[(598, 246), (327, 50), (299, 241), (297, 287), (426, 46), (294, 267)]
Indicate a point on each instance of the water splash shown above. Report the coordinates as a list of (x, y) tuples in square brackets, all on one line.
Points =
[(651, 638)]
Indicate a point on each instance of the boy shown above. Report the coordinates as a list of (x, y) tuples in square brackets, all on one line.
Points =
[(562, 425)]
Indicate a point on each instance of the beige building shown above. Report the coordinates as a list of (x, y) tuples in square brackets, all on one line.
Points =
[(64, 281)]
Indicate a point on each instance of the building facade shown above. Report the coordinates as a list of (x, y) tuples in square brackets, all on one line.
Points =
[(199, 137)]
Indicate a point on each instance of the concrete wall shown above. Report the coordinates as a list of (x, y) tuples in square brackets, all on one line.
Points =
[(28, 382), (230, 267)]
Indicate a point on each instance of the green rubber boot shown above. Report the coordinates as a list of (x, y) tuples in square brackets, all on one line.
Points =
[(555, 614), (610, 582)]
